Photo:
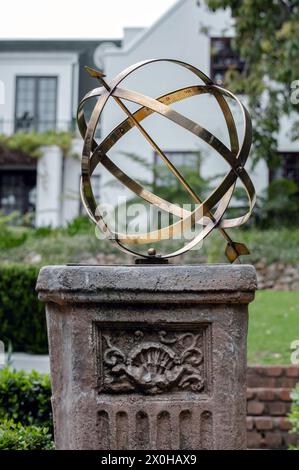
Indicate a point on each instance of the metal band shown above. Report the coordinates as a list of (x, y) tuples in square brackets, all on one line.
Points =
[(94, 154)]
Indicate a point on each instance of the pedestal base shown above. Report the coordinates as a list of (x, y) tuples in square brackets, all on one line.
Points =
[(148, 357)]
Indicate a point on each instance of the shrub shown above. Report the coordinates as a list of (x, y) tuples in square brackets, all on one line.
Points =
[(41, 232), (294, 415), (10, 237), (279, 205), (15, 436), (80, 224), (22, 317), (31, 143), (25, 411), (25, 398)]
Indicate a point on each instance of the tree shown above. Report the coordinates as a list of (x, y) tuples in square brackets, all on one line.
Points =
[(267, 38)]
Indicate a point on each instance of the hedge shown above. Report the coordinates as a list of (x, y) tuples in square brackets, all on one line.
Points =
[(25, 397), (14, 436), (294, 415), (25, 410), (22, 316)]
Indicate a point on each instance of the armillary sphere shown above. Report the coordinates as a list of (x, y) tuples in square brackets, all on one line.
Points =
[(209, 213)]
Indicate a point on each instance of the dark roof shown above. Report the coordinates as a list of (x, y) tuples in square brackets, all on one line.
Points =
[(52, 45), (84, 47)]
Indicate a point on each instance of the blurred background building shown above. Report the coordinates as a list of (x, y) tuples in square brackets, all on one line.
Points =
[(43, 81)]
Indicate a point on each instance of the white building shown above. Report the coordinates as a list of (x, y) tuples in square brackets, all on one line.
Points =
[(41, 83), (52, 72)]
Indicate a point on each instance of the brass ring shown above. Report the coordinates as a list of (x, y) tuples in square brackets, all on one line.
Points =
[(236, 157)]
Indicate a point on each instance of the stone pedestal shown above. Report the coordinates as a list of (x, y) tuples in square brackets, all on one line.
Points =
[(148, 357)]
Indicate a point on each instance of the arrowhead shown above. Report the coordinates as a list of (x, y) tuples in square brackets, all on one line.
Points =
[(94, 73), (234, 250)]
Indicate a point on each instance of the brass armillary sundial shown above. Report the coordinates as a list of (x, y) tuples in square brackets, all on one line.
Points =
[(209, 213)]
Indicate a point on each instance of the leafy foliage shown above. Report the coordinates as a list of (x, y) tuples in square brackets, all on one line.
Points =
[(294, 415), (267, 38), (55, 246), (25, 397), (25, 411), (271, 245), (81, 224), (10, 238), (22, 317), (279, 205), (31, 143), (15, 436)]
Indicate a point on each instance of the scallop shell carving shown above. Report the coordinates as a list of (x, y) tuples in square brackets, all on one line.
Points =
[(153, 367)]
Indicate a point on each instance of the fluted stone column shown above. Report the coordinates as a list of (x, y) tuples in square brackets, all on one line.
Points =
[(148, 357)]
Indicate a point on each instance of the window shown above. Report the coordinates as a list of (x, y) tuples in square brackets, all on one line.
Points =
[(289, 167), (223, 58), (35, 107), (181, 160), (17, 191)]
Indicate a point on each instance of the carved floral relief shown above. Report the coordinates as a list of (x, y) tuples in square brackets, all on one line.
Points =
[(151, 362)]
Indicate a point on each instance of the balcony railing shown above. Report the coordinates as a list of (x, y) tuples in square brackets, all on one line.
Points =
[(8, 127)]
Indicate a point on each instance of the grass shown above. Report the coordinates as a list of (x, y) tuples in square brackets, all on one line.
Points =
[(273, 325)]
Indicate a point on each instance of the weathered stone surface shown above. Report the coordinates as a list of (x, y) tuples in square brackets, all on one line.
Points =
[(148, 357), (63, 284)]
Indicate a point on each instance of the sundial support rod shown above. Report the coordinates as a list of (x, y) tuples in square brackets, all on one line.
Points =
[(233, 249)]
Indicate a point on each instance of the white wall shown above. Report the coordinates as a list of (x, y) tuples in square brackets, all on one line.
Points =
[(48, 195), (58, 202), (72, 170), (53, 208), (37, 64)]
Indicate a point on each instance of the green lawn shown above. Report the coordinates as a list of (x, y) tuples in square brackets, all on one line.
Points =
[(273, 325)]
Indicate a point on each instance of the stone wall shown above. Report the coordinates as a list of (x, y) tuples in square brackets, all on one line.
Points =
[(268, 404), (277, 276)]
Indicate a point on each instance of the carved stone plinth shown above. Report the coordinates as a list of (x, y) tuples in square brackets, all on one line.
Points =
[(148, 357)]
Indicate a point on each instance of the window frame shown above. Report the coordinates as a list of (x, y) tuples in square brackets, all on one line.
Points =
[(36, 79), (213, 70), (274, 175)]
